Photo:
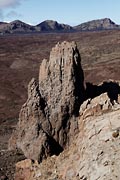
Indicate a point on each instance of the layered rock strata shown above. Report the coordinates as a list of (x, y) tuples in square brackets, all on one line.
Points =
[(48, 119)]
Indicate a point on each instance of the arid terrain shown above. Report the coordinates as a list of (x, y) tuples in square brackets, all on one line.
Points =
[(21, 55)]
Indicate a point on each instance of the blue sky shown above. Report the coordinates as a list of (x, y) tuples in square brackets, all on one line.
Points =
[(71, 12)]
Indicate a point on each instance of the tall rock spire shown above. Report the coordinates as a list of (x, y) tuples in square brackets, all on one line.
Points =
[(48, 119)]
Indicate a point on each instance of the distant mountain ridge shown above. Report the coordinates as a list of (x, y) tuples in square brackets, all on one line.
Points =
[(100, 24), (18, 26)]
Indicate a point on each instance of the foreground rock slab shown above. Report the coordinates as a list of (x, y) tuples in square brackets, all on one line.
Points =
[(94, 154)]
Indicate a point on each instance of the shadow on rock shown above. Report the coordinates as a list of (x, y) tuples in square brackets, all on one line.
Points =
[(112, 89)]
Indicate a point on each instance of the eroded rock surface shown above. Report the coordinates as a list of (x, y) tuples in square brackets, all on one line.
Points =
[(55, 117), (48, 119), (94, 153)]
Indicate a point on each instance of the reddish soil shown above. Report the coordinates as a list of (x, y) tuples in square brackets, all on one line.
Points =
[(20, 57)]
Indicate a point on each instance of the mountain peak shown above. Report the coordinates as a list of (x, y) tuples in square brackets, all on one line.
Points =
[(50, 21), (17, 21), (50, 25), (99, 24)]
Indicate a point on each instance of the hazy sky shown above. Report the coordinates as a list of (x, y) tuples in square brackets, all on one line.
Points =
[(71, 12)]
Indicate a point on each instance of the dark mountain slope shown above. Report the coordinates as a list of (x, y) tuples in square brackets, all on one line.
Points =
[(50, 25), (100, 24), (18, 26)]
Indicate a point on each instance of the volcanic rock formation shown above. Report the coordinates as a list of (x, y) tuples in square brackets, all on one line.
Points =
[(48, 119), (94, 153), (60, 113)]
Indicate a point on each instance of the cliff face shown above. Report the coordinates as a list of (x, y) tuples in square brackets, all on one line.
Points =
[(48, 119)]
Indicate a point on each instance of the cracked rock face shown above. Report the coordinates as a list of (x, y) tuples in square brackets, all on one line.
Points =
[(94, 153), (48, 119)]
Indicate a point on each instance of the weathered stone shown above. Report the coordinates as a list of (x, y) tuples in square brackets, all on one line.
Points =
[(94, 154), (95, 106), (23, 170), (47, 121), (61, 85), (29, 135)]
